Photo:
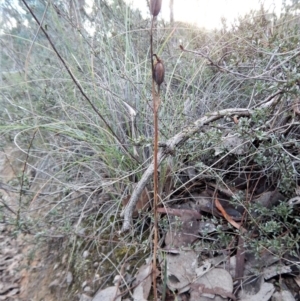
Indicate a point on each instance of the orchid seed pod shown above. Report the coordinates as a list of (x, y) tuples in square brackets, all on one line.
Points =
[(155, 6), (159, 71)]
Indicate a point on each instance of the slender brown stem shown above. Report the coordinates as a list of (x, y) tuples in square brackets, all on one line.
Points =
[(155, 201), (155, 175)]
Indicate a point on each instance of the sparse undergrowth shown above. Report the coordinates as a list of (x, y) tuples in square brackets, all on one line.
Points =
[(231, 96)]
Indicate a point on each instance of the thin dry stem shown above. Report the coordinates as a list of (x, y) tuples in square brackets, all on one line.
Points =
[(155, 167)]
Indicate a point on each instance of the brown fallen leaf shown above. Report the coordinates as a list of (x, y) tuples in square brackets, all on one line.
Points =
[(204, 202), (228, 217)]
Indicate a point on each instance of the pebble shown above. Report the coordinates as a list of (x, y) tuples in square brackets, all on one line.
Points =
[(87, 289), (83, 285), (85, 254), (69, 278)]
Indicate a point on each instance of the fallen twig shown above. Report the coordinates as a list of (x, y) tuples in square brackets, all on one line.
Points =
[(169, 148)]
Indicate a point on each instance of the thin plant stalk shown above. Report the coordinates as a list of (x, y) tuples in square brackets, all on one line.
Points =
[(155, 174)]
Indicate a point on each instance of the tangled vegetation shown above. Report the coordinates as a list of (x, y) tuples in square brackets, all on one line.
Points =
[(76, 101)]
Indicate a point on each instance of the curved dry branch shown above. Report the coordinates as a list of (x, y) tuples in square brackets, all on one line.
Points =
[(169, 147)]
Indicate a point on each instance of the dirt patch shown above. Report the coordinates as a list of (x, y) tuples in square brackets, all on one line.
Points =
[(28, 265)]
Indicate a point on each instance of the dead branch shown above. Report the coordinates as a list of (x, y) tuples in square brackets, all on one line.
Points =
[(169, 147)]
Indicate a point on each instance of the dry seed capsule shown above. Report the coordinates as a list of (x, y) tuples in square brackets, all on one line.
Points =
[(159, 71), (155, 6)]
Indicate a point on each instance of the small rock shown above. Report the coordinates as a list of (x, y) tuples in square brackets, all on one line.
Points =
[(54, 285), (64, 258), (117, 279), (85, 297), (83, 285), (85, 254), (55, 266), (87, 289), (96, 264), (69, 278)]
